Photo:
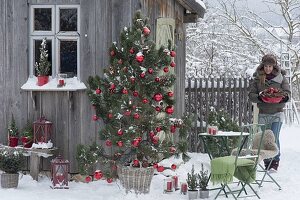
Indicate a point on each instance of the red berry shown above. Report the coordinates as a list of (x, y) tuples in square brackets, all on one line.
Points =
[(157, 79), (173, 166), (146, 30), (150, 70), (98, 91), (88, 179), (170, 94), (136, 162), (120, 143), (172, 53), (173, 64), (125, 91), (110, 115), (136, 115), (145, 101), (160, 168), (142, 75), (108, 143), (166, 69), (135, 93), (120, 132), (155, 165), (131, 51)]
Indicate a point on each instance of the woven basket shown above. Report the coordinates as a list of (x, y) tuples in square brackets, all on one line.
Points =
[(9, 180), (137, 179)]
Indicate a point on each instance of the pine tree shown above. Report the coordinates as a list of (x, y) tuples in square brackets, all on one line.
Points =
[(43, 67), (135, 100)]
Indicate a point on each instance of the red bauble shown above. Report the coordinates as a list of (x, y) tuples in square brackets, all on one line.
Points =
[(172, 53), (170, 94), (173, 129), (145, 101), (172, 150), (125, 91), (98, 91), (109, 180), (169, 110), (173, 166), (131, 51), (146, 30), (120, 62), (173, 64), (139, 58), (135, 93), (158, 129), (120, 143), (108, 143), (95, 117), (157, 108), (136, 162), (110, 115), (139, 138), (155, 139), (127, 113), (152, 134), (160, 168), (157, 79), (158, 97), (142, 75), (98, 175), (135, 142), (155, 165), (112, 53), (120, 132), (166, 69), (150, 70), (112, 86), (133, 107), (88, 179), (136, 115)]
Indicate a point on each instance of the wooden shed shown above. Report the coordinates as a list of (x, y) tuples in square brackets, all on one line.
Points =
[(79, 34)]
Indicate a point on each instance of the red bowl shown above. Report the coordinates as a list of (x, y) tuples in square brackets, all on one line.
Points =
[(271, 99)]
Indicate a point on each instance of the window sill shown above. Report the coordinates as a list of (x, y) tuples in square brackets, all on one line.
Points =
[(72, 84)]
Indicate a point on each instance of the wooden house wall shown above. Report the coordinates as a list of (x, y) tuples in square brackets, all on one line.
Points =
[(100, 25)]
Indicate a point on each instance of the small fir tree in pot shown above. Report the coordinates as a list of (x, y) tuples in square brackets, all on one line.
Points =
[(192, 181), (44, 66), (27, 135), (13, 132), (203, 182)]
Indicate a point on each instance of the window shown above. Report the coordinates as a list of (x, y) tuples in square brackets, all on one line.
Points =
[(59, 24)]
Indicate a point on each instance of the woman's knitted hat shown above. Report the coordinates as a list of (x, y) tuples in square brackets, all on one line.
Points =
[(269, 59)]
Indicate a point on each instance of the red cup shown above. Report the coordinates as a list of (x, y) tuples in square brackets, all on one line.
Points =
[(61, 82), (183, 189)]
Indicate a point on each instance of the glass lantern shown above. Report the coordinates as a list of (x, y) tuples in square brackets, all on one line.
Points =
[(42, 130), (168, 185), (61, 80), (59, 173)]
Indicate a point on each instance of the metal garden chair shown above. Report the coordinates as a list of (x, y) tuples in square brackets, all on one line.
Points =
[(242, 164)]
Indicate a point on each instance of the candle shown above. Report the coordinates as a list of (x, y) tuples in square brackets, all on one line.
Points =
[(169, 186), (175, 179), (210, 130), (183, 188), (61, 82), (214, 131)]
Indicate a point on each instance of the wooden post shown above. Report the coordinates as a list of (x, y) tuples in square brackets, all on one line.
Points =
[(34, 165), (255, 113)]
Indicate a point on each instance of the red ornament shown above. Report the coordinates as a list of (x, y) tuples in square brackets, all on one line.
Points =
[(169, 110), (88, 179), (120, 61), (155, 165), (131, 51), (98, 91), (172, 53), (95, 117), (112, 53), (160, 168), (108, 143), (120, 132), (166, 69), (145, 101), (157, 79), (173, 166), (133, 107), (158, 129), (152, 134), (155, 139), (136, 115), (109, 180), (146, 30), (157, 108), (150, 70), (120, 143), (142, 75), (172, 150), (110, 115), (135, 93), (98, 175), (170, 94), (139, 139), (135, 142), (173, 129), (158, 97), (136, 162), (124, 91), (127, 113), (112, 86), (139, 58), (173, 64)]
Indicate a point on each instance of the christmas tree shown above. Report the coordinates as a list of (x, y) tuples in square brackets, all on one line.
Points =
[(135, 99), (43, 67)]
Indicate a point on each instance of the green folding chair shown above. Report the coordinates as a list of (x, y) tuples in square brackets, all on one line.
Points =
[(242, 164), (268, 120)]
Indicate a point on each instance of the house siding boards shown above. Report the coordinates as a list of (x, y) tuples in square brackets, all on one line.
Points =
[(100, 25)]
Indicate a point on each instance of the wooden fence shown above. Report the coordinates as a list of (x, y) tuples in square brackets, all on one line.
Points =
[(227, 94)]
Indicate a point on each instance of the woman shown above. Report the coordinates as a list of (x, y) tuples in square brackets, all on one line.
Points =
[(269, 75)]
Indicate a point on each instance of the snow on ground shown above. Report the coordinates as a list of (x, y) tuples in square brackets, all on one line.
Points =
[(287, 176)]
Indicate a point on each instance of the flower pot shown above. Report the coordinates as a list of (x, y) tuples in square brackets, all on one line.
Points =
[(42, 80), (193, 194), (203, 194), (27, 142), (137, 179), (9, 180), (13, 141)]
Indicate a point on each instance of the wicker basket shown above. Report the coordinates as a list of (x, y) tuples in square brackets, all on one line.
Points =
[(9, 180), (137, 179)]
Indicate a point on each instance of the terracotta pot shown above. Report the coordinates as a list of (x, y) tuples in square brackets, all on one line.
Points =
[(13, 141), (42, 80), (27, 142)]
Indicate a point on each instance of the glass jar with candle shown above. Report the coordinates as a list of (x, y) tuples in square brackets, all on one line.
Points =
[(168, 185), (61, 80)]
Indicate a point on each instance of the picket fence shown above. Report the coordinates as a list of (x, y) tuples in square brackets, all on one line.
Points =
[(227, 94)]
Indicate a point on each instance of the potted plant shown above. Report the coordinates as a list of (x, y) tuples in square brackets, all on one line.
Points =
[(43, 67), (13, 133), (203, 181), (27, 135), (11, 162), (192, 181)]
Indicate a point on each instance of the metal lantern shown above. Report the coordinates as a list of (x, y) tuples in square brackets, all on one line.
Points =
[(42, 130), (59, 173)]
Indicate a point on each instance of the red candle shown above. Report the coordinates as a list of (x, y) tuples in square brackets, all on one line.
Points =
[(183, 188), (214, 131), (175, 178), (61, 82), (210, 130), (169, 186)]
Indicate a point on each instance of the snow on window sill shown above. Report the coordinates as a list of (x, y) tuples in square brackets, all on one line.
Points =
[(72, 84)]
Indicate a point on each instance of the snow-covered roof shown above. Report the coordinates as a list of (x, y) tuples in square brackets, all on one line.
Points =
[(194, 6)]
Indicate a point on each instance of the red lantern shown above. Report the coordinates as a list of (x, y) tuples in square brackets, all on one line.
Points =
[(42, 130), (59, 173)]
